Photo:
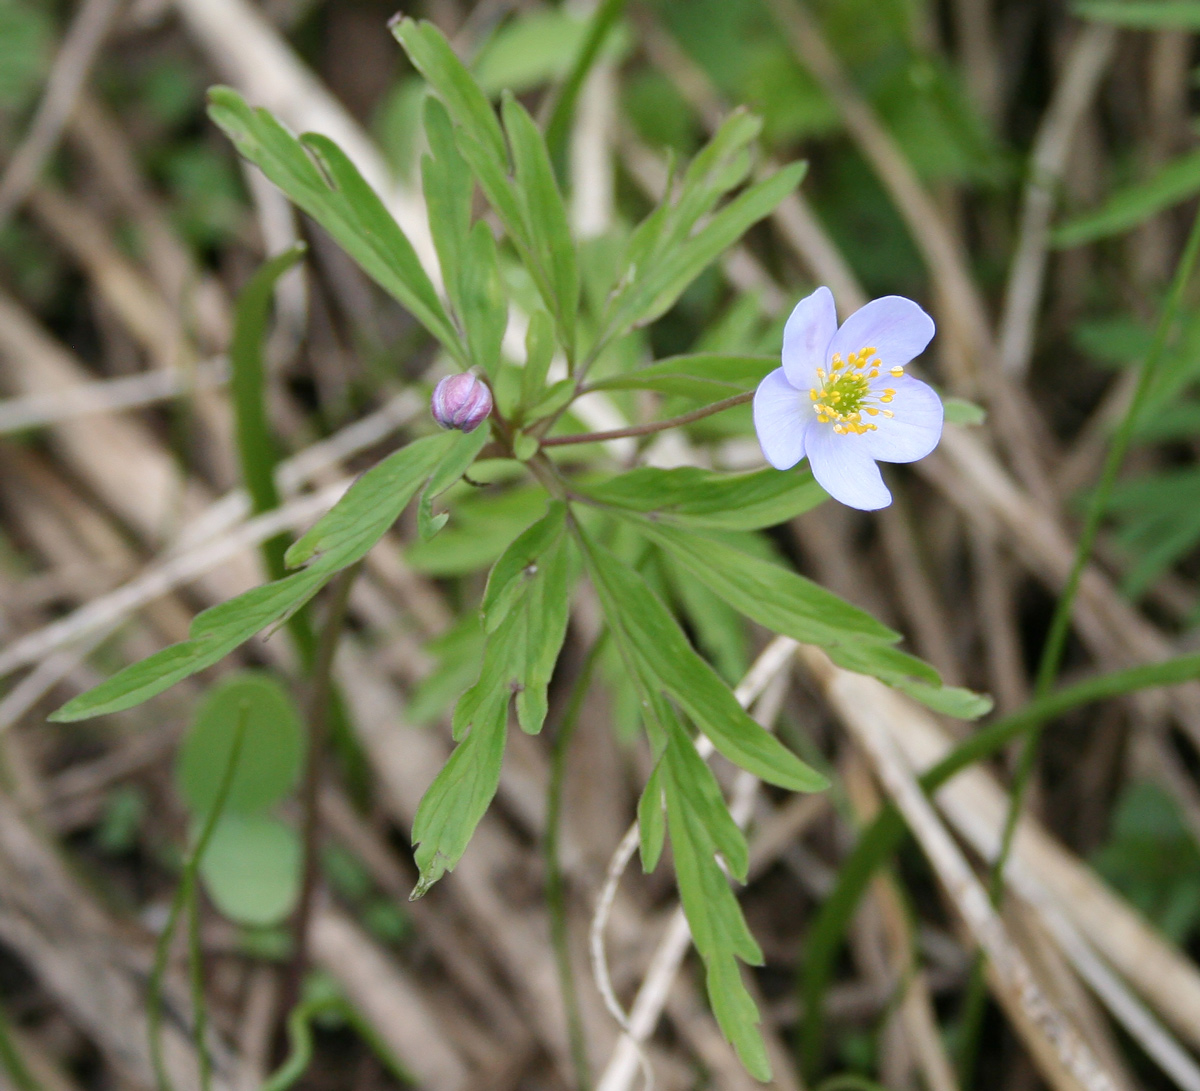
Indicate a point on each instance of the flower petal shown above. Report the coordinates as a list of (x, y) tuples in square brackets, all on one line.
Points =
[(895, 327), (845, 470), (809, 329), (915, 429), (781, 419)]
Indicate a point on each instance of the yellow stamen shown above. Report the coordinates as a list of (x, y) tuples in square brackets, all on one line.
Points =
[(897, 371)]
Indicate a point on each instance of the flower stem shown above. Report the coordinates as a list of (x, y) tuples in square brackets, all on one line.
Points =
[(653, 426)]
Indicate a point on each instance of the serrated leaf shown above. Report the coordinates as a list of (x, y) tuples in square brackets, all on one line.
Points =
[(434, 58), (545, 216), (455, 462), (214, 634), (656, 290), (525, 611), (340, 201), (704, 376), (656, 648), (686, 262), (505, 583), (770, 594), (700, 826), (688, 496), (787, 603), (527, 607), (458, 798), (341, 537), (371, 505)]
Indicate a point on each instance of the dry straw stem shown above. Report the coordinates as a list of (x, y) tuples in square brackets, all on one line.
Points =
[(1073, 96), (915, 1017), (943, 253), (765, 679), (1041, 871), (1064, 1056), (67, 76), (80, 957)]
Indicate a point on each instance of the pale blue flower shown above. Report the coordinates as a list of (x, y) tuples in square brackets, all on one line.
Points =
[(842, 397)]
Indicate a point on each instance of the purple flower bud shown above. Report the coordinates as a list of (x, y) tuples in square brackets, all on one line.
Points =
[(461, 401)]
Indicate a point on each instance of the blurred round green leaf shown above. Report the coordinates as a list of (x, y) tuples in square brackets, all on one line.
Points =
[(251, 869), (272, 752)]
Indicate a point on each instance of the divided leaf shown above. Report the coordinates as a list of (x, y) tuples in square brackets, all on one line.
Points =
[(337, 197), (371, 505), (433, 57), (453, 465), (545, 216), (652, 642), (688, 496), (703, 376), (787, 603), (343, 535), (525, 612), (701, 827)]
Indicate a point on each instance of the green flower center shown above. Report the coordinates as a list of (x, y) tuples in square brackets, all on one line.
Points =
[(845, 392)]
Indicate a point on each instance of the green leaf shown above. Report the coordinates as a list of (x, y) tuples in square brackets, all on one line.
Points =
[(559, 396), (371, 505), (688, 496), (775, 597), (1128, 207), (910, 675), (272, 748), (433, 57), (545, 216), (656, 648), (526, 607), (458, 652), (961, 411), (484, 305), (787, 603), (525, 611), (524, 446), (458, 798), (600, 25), (700, 826), (214, 634), (341, 537), (653, 296), (251, 869), (539, 351), (446, 181), (1143, 14), (340, 201), (456, 461), (652, 821), (705, 376)]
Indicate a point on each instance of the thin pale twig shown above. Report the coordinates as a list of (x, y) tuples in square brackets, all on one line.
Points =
[(70, 71)]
